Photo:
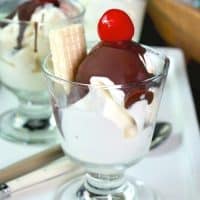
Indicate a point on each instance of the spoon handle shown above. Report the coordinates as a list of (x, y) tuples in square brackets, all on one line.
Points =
[(30, 164)]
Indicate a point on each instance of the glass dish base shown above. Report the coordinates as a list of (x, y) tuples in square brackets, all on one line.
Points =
[(22, 129), (132, 190)]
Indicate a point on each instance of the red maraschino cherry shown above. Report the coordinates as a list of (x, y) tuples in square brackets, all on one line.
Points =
[(115, 25)]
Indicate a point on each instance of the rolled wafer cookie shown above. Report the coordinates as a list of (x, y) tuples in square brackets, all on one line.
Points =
[(68, 48)]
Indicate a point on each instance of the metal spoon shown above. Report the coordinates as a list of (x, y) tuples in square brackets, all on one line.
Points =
[(161, 133)]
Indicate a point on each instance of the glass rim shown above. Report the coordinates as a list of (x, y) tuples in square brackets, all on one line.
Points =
[(79, 5), (163, 74)]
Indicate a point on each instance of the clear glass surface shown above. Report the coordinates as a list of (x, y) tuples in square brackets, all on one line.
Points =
[(23, 47), (99, 132), (195, 3)]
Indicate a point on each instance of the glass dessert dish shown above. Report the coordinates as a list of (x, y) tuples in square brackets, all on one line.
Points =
[(105, 104), (107, 128), (23, 45)]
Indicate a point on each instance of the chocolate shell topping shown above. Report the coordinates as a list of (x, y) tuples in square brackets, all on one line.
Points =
[(121, 62)]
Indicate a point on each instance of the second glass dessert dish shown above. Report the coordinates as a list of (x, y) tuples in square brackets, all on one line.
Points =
[(23, 46), (105, 104)]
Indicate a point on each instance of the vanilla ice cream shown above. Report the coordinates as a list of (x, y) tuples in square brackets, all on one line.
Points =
[(24, 45), (104, 128)]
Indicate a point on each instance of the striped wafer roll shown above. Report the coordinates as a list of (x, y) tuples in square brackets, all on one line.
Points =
[(68, 48)]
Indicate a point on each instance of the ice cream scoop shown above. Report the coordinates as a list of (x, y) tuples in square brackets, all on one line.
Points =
[(24, 40), (24, 12), (117, 57), (24, 43)]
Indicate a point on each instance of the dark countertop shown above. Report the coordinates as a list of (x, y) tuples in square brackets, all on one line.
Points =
[(151, 37)]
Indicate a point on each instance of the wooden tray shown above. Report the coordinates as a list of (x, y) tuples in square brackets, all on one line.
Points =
[(178, 24)]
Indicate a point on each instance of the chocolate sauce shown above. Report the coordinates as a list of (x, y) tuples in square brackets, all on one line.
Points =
[(121, 62), (36, 36), (24, 12)]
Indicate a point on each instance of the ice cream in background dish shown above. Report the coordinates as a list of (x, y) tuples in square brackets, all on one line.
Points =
[(24, 41), (110, 100)]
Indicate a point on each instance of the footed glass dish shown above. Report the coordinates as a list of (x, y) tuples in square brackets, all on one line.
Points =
[(105, 134), (24, 43)]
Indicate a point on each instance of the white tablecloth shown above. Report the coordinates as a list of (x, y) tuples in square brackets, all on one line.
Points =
[(173, 169)]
